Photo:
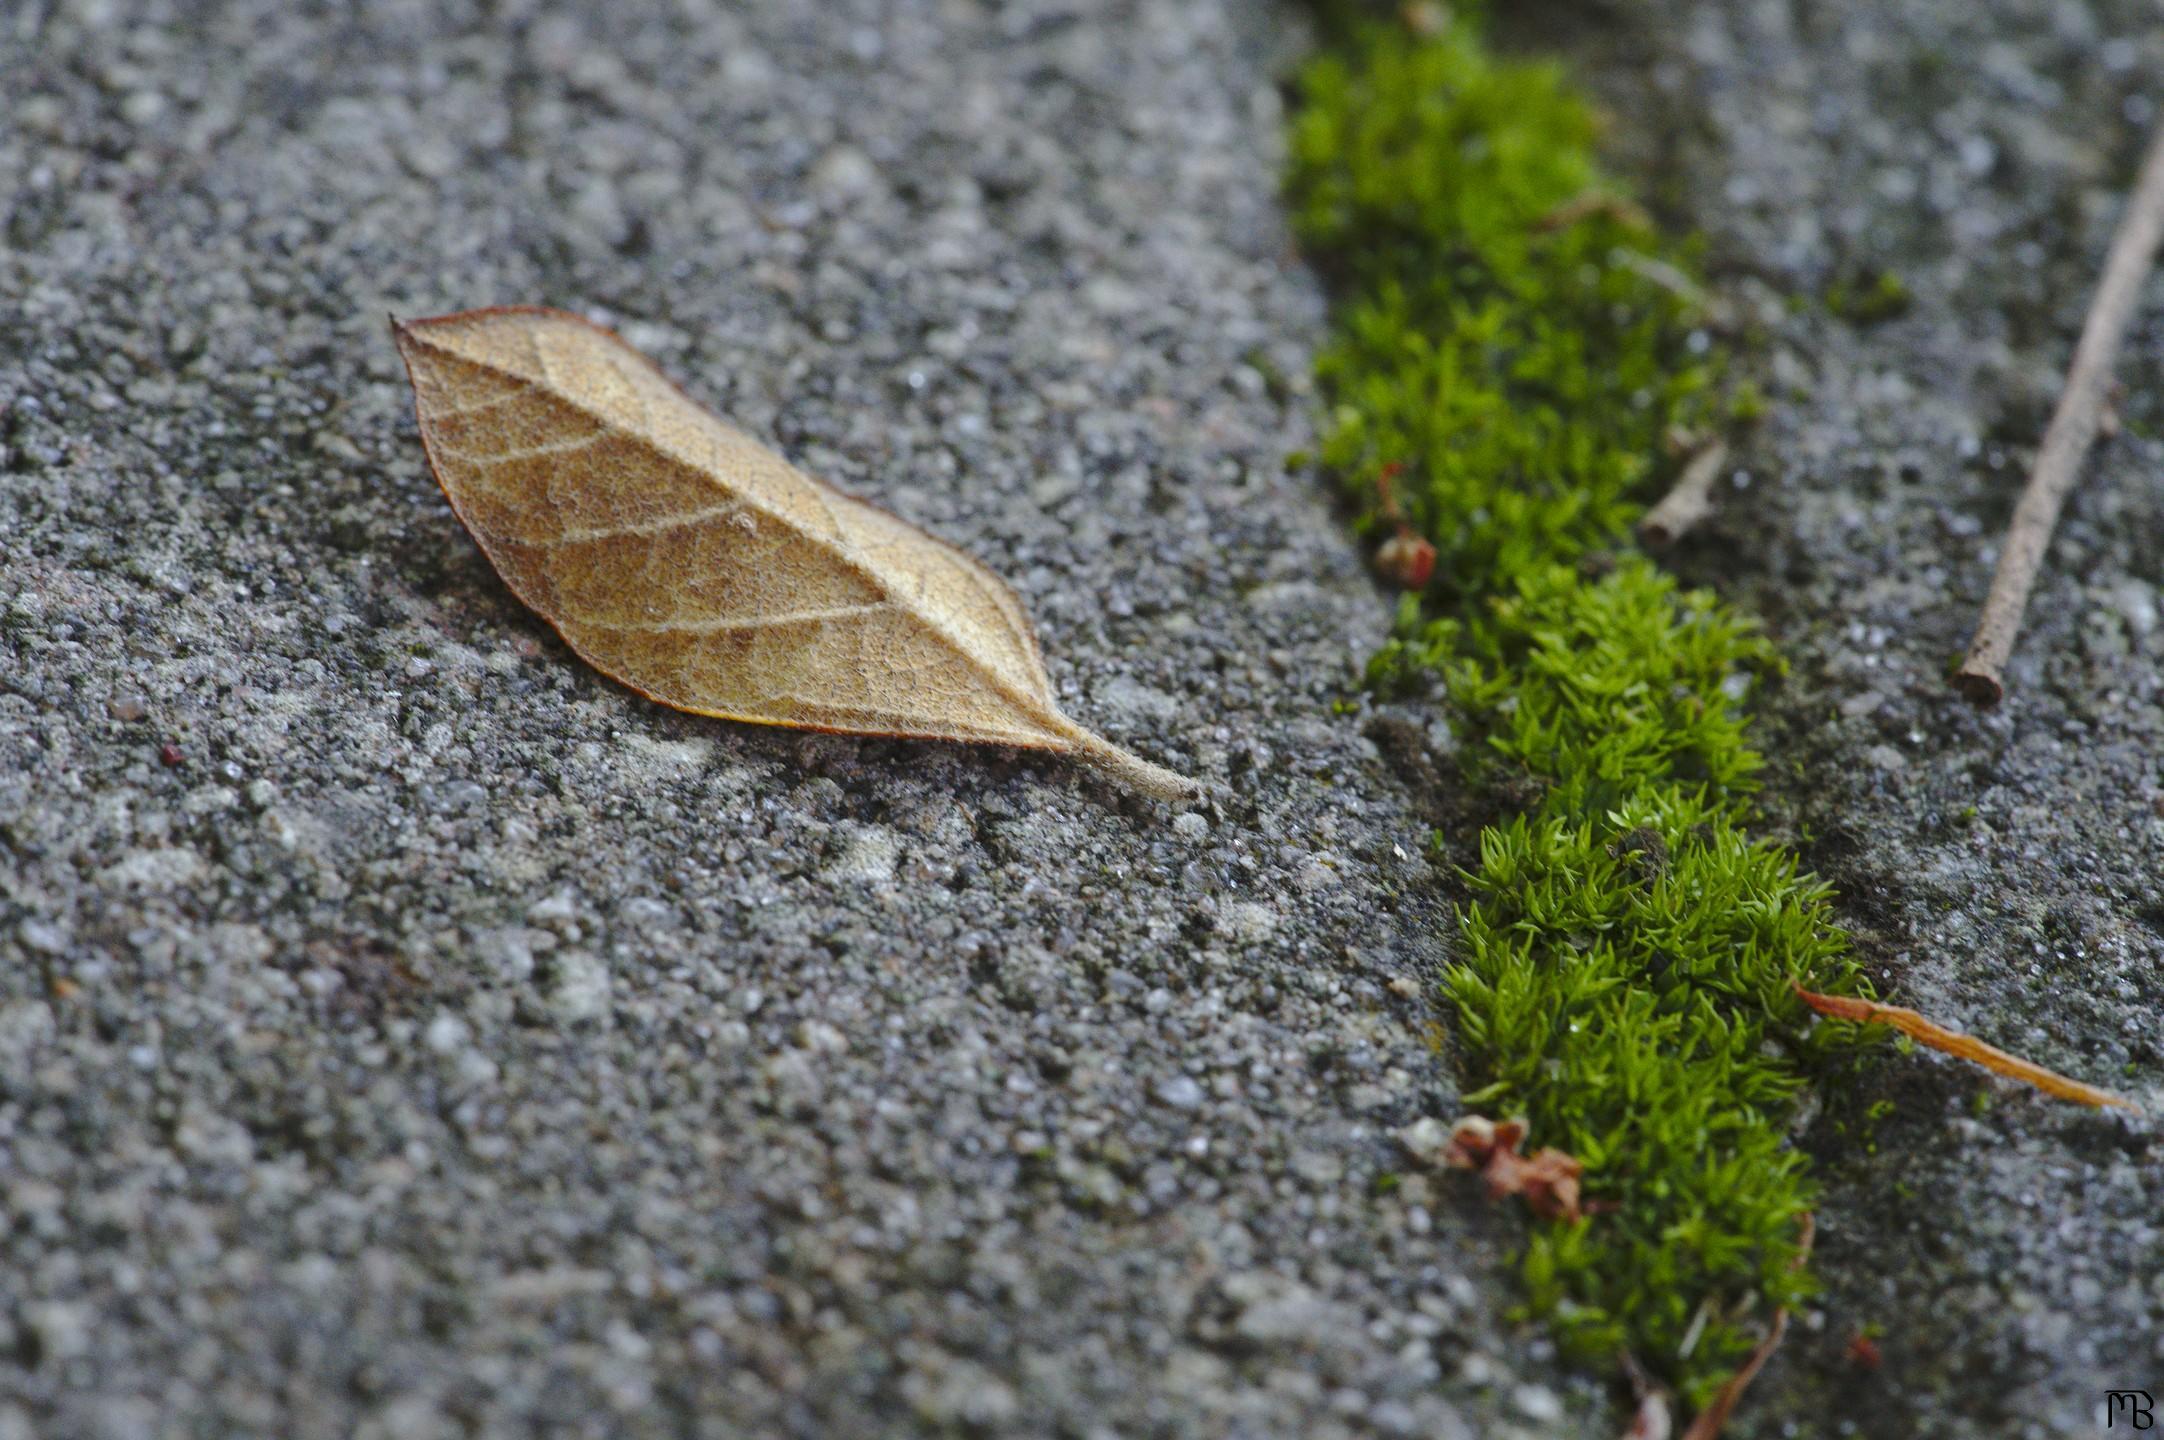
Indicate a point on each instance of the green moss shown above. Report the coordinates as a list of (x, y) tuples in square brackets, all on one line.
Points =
[(1509, 358), (1511, 351), (1605, 686), (1868, 299)]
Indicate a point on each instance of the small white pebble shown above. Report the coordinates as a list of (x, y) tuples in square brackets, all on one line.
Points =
[(446, 1034), (1181, 1092), (1537, 1402)]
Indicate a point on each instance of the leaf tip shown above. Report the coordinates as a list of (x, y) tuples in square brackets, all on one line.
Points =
[(1136, 773)]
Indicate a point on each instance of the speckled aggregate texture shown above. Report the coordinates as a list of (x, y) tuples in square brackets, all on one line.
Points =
[(405, 1032), (438, 1040), (2005, 870)]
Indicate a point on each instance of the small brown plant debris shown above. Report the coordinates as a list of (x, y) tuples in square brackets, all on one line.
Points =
[(1547, 1180)]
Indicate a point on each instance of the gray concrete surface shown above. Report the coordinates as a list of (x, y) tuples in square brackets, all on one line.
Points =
[(2005, 871), (455, 1044), (450, 1043)]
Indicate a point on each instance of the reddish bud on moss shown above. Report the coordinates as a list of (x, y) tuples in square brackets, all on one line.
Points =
[(1407, 559)]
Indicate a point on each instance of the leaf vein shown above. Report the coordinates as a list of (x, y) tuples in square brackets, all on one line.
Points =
[(661, 525), (750, 622)]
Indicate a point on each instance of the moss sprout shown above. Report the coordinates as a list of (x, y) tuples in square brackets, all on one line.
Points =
[(1869, 299)]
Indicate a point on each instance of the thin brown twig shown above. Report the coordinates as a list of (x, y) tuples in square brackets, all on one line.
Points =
[(1965, 1047), (1650, 1420), (1709, 1422), (2073, 429), (1689, 501)]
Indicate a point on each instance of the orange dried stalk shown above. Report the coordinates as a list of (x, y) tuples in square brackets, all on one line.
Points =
[(1620, 208), (1965, 1047)]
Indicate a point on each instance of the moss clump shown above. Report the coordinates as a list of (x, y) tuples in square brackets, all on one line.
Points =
[(1499, 381), (1628, 955), (1606, 687), (1512, 347)]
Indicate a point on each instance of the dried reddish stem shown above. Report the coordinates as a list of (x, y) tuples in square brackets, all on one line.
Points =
[(1689, 501), (1619, 208), (2073, 429), (1650, 1421), (1965, 1047), (1386, 495), (1708, 1423)]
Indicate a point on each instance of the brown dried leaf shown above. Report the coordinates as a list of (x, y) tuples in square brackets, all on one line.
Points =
[(1547, 1179), (1966, 1047), (678, 555)]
